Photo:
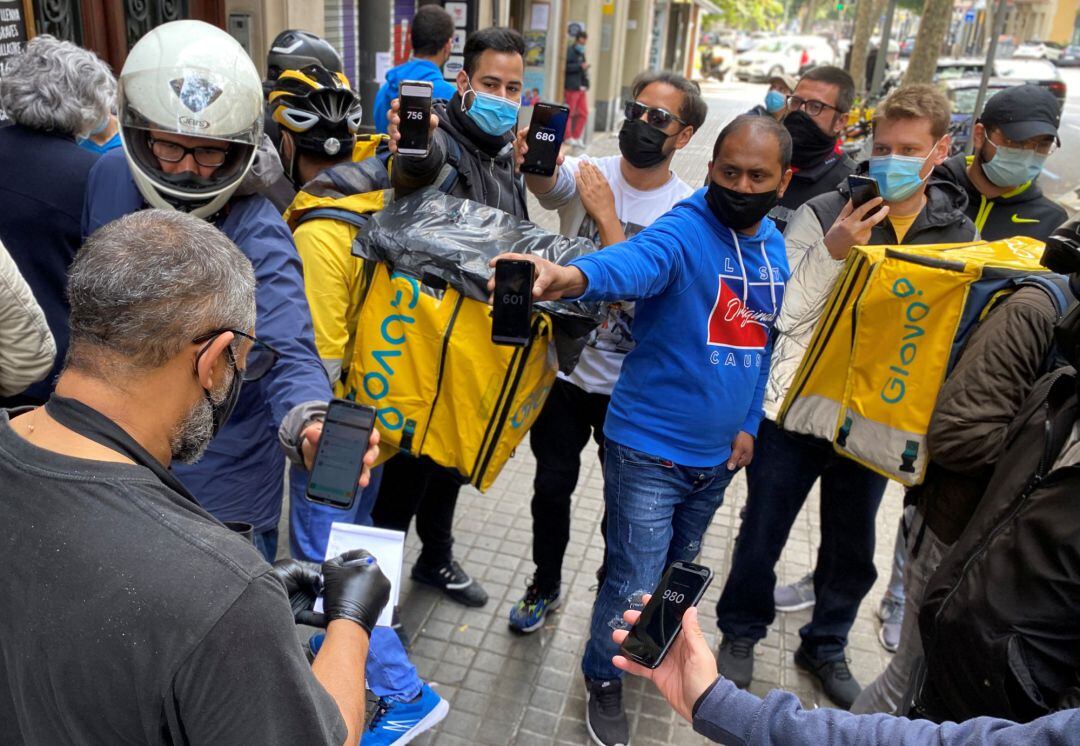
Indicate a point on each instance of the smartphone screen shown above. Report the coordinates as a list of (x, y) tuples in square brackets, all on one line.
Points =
[(682, 586), (415, 113), (512, 307), (339, 459), (863, 189), (546, 133)]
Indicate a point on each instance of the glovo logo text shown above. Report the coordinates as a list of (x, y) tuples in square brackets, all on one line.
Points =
[(915, 311), (378, 379)]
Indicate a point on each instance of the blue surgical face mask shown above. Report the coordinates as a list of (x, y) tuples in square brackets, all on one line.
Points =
[(100, 127), (495, 115), (110, 144), (774, 102), (580, 48), (1012, 167), (898, 176)]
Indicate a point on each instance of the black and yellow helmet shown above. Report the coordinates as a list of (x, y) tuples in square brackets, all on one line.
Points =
[(318, 108)]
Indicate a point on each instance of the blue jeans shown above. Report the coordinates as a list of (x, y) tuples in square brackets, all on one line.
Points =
[(784, 468), (266, 542), (657, 512), (389, 672)]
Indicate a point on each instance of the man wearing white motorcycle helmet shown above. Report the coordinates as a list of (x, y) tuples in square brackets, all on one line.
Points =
[(190, 105)]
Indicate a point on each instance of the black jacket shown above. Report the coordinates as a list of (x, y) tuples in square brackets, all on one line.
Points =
[(576, 76), (998, 622), (485, 164), (1023, 213), (807, 183), (942, 219)]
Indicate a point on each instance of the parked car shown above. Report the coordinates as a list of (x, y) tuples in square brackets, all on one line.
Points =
[(1017, 69), (962, 93), (785, 55), (907, 46), (1070, 56), (1041, 50)]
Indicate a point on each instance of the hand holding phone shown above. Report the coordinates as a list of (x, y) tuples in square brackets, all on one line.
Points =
[(339, 457), (546, 132), (511, 314), (681, 587), (862, 189), (414, 111)]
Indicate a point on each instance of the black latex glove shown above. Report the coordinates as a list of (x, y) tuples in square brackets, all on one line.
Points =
[(354, 588), (303, 584)]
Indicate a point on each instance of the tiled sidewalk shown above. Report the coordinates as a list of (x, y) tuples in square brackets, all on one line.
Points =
[(508, 689)]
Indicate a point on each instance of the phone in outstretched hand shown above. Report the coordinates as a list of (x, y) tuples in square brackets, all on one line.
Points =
[(511, 313), (546, 132), (339, 458), (681, 587), (414, 109), (863, 189)]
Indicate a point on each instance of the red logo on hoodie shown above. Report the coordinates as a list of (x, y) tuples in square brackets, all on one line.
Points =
[(733, 324)]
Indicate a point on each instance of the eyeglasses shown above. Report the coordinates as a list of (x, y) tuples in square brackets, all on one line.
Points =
[(1042, 147), (657, 117), (260, 358), (174, 152), (812, 107)]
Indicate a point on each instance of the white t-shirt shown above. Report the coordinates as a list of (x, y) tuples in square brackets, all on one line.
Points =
[(602, 358)]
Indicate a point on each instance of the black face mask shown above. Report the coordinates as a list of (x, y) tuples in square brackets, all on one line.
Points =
[(739, 210), (223, 409), (642, 144), (809, 145)]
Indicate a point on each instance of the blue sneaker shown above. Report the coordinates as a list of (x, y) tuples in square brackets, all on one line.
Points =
[(400, 722), (529, 613)]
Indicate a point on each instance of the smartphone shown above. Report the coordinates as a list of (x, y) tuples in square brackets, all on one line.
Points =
[(512, 308), (339, 458), (546, 131), (863, 189), (682, 586), (415, 112)]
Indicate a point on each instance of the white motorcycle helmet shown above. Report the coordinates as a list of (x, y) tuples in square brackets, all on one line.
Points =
[(189, 78)]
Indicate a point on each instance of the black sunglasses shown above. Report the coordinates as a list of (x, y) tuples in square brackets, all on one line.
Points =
[(260, 358), (654, 115)]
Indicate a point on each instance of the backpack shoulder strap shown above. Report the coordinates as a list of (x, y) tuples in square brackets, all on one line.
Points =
[(451, 170), (1054, 285), (335, 213)]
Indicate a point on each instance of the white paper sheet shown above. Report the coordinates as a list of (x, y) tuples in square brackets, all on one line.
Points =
[(388, 547)]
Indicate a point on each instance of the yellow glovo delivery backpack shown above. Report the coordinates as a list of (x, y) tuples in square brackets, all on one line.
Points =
[(892, 328), (426, 362)]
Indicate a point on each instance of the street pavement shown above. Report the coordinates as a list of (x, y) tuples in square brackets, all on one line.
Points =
[(528, 690)]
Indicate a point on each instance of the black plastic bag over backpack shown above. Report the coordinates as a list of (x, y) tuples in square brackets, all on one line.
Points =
[(443, 240)]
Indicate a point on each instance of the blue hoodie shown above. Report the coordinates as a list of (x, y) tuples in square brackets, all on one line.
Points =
[(708, 298), (411, 70)]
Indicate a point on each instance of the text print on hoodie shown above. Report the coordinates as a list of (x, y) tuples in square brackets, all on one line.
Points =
[(708, 300)]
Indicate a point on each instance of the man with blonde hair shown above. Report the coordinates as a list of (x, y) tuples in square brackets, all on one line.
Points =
[(910, 139)]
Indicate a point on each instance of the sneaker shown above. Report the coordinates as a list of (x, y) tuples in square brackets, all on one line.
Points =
[(891, 613), (396, 722), (835, 677), (529, 613), (453, 581), (735, 660), (604, 714), (797, 596)]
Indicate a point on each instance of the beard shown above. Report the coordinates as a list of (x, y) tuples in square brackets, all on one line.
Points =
[(190, 438)]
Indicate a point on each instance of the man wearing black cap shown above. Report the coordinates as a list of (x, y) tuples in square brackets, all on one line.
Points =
[(816, 115), (1016, 133)]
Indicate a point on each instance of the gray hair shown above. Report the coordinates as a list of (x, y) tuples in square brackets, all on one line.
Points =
[(143, 287), (56, 86)]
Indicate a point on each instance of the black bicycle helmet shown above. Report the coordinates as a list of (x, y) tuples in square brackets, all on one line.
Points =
[(294, 49)]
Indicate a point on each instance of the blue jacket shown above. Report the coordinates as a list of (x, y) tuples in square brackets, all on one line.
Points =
[(411, 70), (42, 194), (730, 716), (708, 302), (240, 477)]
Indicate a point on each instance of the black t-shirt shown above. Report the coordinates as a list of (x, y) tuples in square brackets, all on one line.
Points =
[(129, 615)]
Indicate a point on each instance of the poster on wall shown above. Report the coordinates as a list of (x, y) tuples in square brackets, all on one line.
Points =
[(457, 41), (541, 12), (535, 44), (453, 66), (459, 12), (16, 28), (534, 82)]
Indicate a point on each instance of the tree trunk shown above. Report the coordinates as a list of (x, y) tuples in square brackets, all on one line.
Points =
[(932, 30), (860, 42), (810, 9)]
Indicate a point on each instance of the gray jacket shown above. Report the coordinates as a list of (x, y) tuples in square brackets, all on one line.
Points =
[(27, 348)]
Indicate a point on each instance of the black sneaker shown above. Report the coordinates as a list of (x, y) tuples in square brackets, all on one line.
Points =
[(735, 660), (453, 581), (604, 714), (835, 677)]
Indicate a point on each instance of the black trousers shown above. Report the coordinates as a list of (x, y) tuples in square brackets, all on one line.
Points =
[(419, 487), (557, 438)]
